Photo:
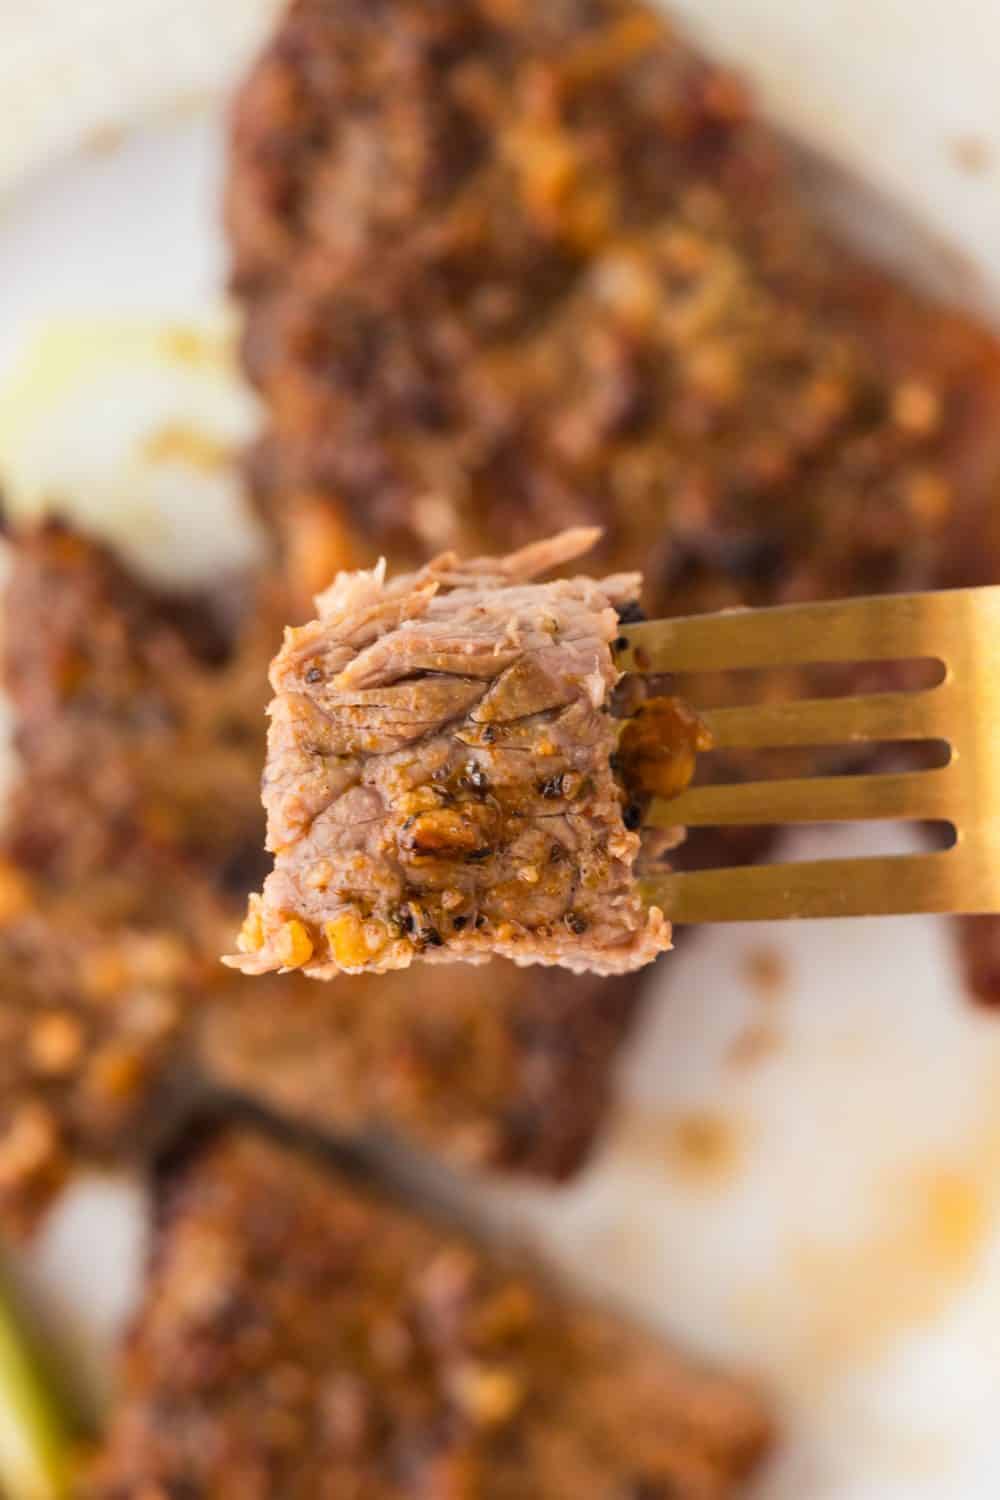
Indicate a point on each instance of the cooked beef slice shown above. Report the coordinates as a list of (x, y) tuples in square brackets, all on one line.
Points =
[(135, 730), (91, 1021), (301, 1337), (494, 1067), (513, 267), (439, 779), (102, 872), (129, 829)]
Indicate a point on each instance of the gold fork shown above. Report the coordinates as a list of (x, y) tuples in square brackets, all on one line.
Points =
[(960, 629)]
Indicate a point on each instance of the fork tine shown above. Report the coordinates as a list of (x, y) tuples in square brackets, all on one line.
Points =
[(829, 721), (887, 885), (827, 799), (898, 627), (960, 629)]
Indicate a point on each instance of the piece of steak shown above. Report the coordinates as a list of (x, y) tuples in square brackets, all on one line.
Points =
[(136, 726), (302, 1337), (92, 1022), (133, 834), (510, 267), (491, 1067), (440, 777), (131, 812)]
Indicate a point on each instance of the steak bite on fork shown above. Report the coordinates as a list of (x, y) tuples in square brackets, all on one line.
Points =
[(441, 779)]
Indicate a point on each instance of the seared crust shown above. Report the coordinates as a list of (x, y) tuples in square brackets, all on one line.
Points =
[(300, 1337), (495, 1067), (136, 729), (130, 807), (92, 1023), (510, 267)]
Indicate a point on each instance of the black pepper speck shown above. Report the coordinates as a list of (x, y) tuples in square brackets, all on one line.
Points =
[(631, 613), (476, 777)]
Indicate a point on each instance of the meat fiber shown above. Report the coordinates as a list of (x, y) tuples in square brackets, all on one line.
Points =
[(440, 778)]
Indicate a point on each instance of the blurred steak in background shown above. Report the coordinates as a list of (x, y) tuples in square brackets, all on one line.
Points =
[(134, 830), (508, 267), (302, 1337)]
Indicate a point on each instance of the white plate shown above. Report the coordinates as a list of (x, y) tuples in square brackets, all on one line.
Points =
[(804, 1172)]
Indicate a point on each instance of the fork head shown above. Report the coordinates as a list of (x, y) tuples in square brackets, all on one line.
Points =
[(959, 629)]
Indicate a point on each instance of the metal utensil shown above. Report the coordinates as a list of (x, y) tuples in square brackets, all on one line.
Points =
[(958, 628)]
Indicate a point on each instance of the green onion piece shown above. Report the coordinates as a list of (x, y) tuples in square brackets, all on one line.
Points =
[(36, 1434)]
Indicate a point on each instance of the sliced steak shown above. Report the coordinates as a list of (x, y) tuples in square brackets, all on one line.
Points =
[(304, 1338), (440, 779)]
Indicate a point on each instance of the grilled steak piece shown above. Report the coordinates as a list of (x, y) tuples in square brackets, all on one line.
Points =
[(133, 833), (498, 1067), (513, 267), (134, 795), (91, 1023), (136, 726), (440, 780), (301, 1337)]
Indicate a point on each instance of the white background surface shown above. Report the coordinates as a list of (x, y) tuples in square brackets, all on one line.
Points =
[(827, 1213)]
